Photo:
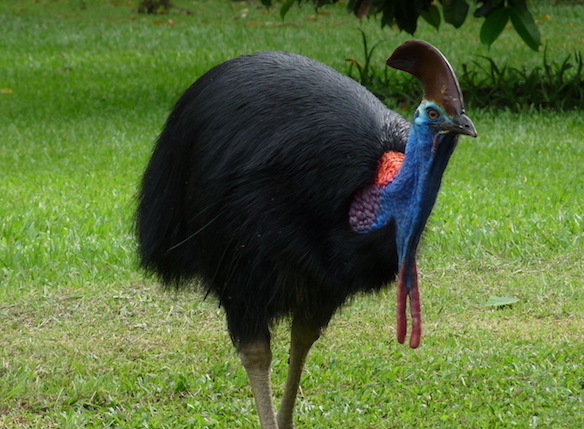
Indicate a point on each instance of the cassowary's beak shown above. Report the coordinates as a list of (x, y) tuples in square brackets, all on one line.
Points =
[(462, 125)]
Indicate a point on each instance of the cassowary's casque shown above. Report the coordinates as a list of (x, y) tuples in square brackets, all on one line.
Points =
[(286, 188)]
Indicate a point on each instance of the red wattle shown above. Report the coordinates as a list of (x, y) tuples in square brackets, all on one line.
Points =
[(389, 166), (415, 307), (415, 311), (402, 296)]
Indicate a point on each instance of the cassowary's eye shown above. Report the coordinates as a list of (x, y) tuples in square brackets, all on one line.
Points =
[(433, 114)]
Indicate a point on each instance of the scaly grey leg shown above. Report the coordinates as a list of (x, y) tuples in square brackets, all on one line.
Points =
[(302, 339), (256, 358)]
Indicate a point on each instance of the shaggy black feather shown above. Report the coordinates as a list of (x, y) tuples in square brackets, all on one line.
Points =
[(249, 189)]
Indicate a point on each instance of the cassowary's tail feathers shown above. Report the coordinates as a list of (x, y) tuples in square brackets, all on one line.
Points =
[(161, 223)]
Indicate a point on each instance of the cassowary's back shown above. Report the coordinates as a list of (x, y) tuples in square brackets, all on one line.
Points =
[(250, 185)]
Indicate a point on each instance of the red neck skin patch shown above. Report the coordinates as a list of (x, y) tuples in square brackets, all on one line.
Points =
[(389, 166), (365, 207)]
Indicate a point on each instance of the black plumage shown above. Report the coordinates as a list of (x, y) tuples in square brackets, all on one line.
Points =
[(250, 184), (250, 187)]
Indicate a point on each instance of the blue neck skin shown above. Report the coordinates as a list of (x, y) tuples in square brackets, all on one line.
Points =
[(410, 197)]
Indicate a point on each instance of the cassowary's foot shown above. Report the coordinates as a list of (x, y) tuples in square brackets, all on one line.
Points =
[(256, 358), (301, 341)]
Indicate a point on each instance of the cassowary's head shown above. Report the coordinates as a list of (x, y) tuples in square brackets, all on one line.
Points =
[(442, 108)]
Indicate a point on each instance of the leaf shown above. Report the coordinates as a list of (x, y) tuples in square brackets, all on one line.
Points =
[(525, 26), (432, 16), (388, 15), (500, 301), (406, 15), (455, 11), (73, 297), (493, 25), (485, 9), (286, 7)]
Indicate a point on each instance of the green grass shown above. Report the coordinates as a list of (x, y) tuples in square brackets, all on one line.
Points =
[(87, 341)]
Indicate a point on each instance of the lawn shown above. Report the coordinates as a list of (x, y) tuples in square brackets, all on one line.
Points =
[(88, 341)]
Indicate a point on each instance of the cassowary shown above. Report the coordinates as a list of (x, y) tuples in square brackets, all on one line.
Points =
[(283, 188)]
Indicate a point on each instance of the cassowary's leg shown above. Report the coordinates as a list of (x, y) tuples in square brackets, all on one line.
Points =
[(302, 339), (256, 358)]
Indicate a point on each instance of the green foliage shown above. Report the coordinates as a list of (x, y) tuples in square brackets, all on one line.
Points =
[(405, 15), (496, 19), (553, 85), (366, 76), (286, 7), (525, 26), (494, 25), (432, 16), (455, 11)]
